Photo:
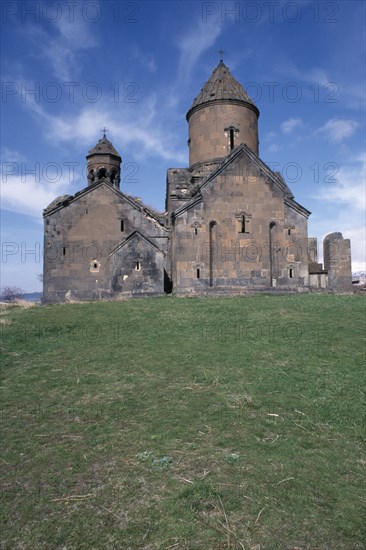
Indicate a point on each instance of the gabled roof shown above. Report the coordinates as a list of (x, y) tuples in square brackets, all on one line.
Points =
[(262, 167), (65, 200), (57, 203), (134, 235), (221, 86)]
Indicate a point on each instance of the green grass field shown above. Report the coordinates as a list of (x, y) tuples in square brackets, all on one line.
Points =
[(198, 424)]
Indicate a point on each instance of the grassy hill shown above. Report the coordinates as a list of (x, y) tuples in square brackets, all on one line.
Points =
[(234, 423)]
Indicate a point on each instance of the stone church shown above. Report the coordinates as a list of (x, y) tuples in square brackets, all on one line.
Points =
[(231, 225)]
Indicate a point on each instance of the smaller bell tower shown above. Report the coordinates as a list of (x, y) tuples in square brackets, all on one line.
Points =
[(103, 161)]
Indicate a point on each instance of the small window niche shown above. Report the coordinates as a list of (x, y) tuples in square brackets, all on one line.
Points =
[(198, 273), (195, 227), (137, 266), (232, 139), (230, 133), (122, 226), (243, 221)]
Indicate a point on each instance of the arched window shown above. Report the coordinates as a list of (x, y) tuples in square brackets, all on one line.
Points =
[(230, 133), (232, 139), (243, 224), (91, 176), (113, 177)]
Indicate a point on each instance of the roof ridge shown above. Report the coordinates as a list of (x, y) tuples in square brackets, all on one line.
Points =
[(130, 237), (262, 167), (64, 200)]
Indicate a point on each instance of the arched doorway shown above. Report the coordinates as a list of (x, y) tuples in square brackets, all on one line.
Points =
[(211, 251), (272, 258)]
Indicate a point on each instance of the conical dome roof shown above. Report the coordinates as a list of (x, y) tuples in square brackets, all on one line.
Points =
[(221, 86), (103, 147)]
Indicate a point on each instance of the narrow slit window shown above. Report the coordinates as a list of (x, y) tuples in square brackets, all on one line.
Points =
[(198, 274), (86, 210), (64, 251), (243, 225), (289, 232), (291, 273), (195, 230), (231, 139), (137, 266), (122, 225)]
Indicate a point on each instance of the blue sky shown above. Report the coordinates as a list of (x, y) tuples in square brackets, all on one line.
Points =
[(72, 67)]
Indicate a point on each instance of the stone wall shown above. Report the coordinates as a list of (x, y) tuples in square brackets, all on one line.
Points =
[(137, 267), (313, 250), (80, 236), (337, 261), (240, 234)]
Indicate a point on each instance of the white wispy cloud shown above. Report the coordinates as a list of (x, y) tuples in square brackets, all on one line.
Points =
[(289, 125), (200, 37), (337, 130), (10, 155), (349, 189), (347, 195), (289, 69), (141, 131), (331, 85), (145, 59), (274, 148), (138, 124), (24, 187), (271, 142), (61, 45), (27, 194), (138, 129), (270, 136)]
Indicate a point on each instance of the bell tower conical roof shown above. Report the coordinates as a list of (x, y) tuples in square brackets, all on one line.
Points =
[(221, 86), (103, 147)]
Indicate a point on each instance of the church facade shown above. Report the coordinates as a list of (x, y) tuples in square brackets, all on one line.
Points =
[(231, 225)]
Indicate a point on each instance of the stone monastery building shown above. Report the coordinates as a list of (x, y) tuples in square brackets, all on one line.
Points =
[(231, 225)]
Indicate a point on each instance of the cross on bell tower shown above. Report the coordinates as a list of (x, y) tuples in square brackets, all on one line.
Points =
[(221, 52)]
